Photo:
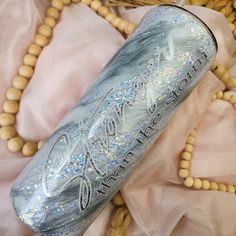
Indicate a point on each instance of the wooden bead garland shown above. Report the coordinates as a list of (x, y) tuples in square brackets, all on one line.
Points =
[(7, 119), (186, 155)]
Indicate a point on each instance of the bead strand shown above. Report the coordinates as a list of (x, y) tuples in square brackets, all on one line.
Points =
[(187, 154)]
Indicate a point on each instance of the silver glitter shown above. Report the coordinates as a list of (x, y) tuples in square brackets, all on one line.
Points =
[(98, 143)]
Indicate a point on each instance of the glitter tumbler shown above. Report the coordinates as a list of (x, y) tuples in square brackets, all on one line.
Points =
[(98, 143)]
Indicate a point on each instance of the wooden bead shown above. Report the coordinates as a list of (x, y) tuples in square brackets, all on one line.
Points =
[(214, 186), (225, 77), (41, 40), (205, 184), (186, 156), (20, 82), (14, 94), (67, 2), (130, 28), (95, 5), (214, 65), (230, 188), (116, 21), (11, 107), (45, 30), (220, 70), (15, 144), (197, 183), (222, 187), (193, 133), (223, 11), (49, 21), (118, 200), (183, 173), (30, 60), (103, 11), (110, 17), (226, 96), (7, 132), (188, 148), (29, 149), (122, 25), (188, 182), (231, 17), (219, 94), (232, 99), (58, 4), (26, 71), (184, 164), (34, 49), (41, 143), (53, 12), (190, 140), (7, 119), (234, 5), (213, 97), (86, 2), (75, 1)]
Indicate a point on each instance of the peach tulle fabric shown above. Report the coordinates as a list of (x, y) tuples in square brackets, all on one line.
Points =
[(82, 44)]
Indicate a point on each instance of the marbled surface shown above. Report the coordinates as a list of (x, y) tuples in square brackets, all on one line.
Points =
[(97, 144)]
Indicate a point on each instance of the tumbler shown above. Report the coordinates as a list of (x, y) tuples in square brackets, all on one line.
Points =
[(101, 139)]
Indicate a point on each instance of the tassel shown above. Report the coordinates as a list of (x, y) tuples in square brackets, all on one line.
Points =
[(137, 3)]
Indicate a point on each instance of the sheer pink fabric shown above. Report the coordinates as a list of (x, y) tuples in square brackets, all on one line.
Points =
[(81, 45)]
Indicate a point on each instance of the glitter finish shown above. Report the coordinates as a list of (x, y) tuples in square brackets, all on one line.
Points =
[(98, 143)]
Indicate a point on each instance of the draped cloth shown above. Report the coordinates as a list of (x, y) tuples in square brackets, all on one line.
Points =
[(81, 45)]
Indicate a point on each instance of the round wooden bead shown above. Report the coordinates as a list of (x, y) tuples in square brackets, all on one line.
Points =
[(220, 70), (29, 149), (45, 30), (110, 17), (230, 188), (95, 5), (190, 140), (184, 164), (103, 11), (14, 94), (234, 5), (130, 28), (67, 2), (41, 40), (214, 65), (231, 26), (118, 200), (122, 25), (188, 182), (231, 17), (116, 21), (186, 156), (86, 2), (49, 21), (20, 82), (226, 96), (15, 144), (41, 143), (213, 97), (7, 132), (225, 77), (219, 94), (58, 4), (232, 99), (30, 60), (205, 184), (26, 71), (34, 49), (11, 107), (193, 133), (183, 173), (188, 148), (7, 119), (53, 12), (222, 187), (197, 183), (214, 186)]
